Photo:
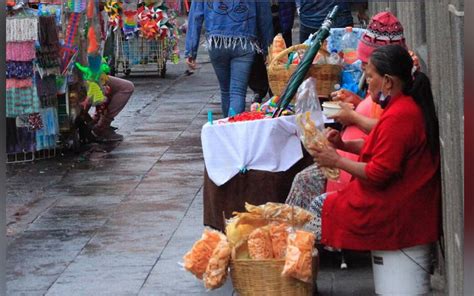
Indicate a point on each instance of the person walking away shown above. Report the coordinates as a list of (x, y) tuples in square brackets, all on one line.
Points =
[(235, 32), (313, 12), (283, 16)]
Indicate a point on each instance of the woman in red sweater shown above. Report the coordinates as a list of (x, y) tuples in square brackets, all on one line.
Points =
[(393, 200)]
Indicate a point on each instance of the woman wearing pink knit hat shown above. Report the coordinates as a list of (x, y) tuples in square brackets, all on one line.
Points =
[(383, 29)]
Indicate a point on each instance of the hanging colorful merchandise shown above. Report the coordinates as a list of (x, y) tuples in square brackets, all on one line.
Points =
[(69, 49), (95, 74), (21, 97)]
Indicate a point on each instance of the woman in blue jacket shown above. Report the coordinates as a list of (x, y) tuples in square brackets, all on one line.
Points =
[(235, 32)]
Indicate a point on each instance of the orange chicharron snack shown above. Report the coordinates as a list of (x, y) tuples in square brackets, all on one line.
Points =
[(279, 236), (260, 244), (196, 260), (216, 271), (298, 263), (272, 211)]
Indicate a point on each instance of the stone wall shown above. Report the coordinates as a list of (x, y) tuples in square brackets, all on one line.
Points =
[(436, 34)]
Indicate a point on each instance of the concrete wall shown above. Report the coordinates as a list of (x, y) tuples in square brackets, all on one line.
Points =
[(436, 34)]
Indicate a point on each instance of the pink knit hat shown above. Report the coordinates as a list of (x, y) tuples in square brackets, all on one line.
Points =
[(384, 28)]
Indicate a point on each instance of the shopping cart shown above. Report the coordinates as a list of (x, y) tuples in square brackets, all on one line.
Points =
[(138, 54)]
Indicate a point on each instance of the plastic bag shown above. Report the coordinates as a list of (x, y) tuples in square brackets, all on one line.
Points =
[(196, 260), (312, 136), (273, 211), (299, 252), (216, 271), (279, 237), (307, 100), (260, 244)]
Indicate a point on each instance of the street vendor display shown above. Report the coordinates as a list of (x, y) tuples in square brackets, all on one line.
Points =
[(32, 56), (269, 236), (251, 160)]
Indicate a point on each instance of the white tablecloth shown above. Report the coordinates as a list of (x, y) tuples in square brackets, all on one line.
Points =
[(269, 145)]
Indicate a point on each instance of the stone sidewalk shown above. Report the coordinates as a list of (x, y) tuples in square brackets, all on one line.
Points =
[(119, 222)]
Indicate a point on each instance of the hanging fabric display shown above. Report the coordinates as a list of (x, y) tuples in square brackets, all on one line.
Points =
[(68, 50), (22, 29), (21, 51)]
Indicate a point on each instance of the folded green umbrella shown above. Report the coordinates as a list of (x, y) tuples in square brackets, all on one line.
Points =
[(300, 73)]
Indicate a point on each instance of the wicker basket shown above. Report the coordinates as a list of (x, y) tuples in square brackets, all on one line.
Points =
[(326, 75), (263, 277)]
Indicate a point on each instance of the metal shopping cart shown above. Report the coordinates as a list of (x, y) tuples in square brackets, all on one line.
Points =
[(138, 54)]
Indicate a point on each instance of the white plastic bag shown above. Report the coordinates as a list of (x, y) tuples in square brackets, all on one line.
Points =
[(307, 100)]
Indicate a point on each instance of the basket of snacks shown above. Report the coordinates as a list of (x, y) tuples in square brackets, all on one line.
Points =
[(270, 254), (265, 249), (280, 69)]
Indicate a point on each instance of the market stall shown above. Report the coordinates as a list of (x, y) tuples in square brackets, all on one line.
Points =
[(253, 158), (54, 63), (32, 67)]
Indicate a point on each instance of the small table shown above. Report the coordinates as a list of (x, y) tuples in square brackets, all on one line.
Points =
[(253, 161)]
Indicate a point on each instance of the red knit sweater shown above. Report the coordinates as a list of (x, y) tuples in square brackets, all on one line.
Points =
[(399, 205)]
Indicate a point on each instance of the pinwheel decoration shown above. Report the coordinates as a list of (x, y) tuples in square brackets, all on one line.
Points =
[(154, 22), (114, 10)]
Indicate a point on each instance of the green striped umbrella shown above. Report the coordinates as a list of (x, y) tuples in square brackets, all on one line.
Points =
[(298, 76)]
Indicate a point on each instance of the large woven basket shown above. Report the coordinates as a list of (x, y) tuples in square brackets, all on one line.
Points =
[(263, 277), (326, 75)]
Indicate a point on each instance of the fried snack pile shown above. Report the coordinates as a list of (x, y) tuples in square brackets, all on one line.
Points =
[(298, 263), (216, 271), (196, 260), (311, 135), (293, 215), (260, 244), (265, 232), (279, 236)]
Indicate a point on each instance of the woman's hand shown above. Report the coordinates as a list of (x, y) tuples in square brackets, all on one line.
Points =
[(191, 63), (324, 156), (346, 96), (334, 137), (346, 115)]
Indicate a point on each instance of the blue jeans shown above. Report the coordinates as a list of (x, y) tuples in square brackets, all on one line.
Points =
[(232, 67)]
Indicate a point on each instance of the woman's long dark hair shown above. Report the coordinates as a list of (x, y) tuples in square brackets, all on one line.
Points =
[(395, 60)]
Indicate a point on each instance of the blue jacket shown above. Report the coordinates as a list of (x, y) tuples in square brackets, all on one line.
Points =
[(229, 22), (313, 12)]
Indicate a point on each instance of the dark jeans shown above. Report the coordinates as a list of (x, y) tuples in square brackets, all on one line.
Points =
[(306, 31), (258, 80), (232, 66)]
